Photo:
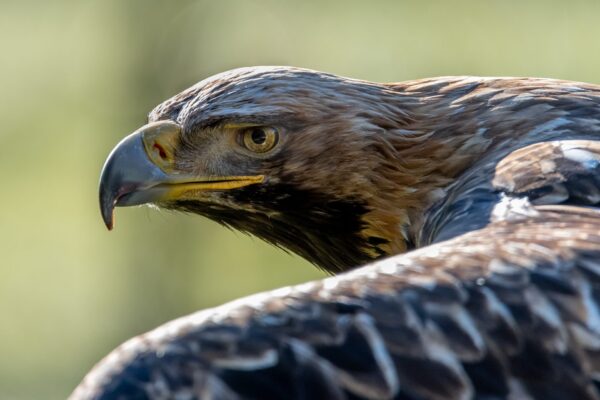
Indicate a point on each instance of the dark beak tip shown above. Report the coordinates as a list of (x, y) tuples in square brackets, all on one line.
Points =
[(109, 224), (107, 211), (108, 201)]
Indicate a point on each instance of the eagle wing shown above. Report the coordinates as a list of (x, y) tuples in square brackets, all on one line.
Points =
[(506, 309), (557, 172)]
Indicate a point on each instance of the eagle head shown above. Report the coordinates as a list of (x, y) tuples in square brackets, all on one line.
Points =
[(302, 159)]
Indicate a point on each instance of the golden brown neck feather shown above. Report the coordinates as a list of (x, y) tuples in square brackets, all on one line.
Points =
[(452, 124), (410, 183)]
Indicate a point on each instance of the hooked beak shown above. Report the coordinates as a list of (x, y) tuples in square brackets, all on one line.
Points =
[(141, 169)]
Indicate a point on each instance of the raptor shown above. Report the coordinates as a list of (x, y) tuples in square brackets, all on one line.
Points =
[(459, 217)]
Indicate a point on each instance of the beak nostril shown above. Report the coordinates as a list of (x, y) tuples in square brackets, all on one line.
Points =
[(161, 151), (160, 141)]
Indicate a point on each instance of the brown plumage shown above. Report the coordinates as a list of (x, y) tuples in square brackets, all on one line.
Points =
[(494, 182)]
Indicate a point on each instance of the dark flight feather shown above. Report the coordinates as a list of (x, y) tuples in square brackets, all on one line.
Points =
[(512, 317)]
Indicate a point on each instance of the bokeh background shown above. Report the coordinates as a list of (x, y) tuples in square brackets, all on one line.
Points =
[(76, 76)]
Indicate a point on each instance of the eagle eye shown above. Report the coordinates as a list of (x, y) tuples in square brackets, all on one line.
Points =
[(260, 139)]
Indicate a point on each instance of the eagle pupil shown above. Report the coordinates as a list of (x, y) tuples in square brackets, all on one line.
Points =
[(259, 136)]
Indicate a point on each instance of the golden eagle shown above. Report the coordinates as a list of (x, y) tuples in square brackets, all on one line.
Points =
[(471, 202)]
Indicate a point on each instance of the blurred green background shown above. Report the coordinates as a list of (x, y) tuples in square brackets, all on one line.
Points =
[(76, 76)]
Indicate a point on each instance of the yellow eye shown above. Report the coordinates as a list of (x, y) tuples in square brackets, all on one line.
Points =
[(260, 139)]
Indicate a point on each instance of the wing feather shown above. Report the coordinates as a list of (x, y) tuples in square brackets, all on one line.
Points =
[(507, 311), (565, 171)]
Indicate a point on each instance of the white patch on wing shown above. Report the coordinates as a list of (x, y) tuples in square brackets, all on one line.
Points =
[(388, 267), (547, 166), (511, 208), (330, 283), (265, 360), (586, 158)]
